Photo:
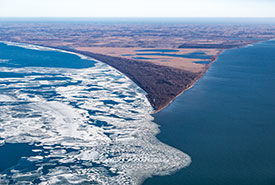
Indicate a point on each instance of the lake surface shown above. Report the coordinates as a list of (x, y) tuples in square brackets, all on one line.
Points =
[(68, 119), (11, 153), (194, 55), (158, 50), (203, 62), (226, 122)]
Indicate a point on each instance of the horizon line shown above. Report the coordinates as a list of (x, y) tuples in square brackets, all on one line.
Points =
[(144, 17)]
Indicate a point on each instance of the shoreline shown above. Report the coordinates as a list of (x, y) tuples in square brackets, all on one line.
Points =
[(97, 57), (207, 98), (116, 62), (214, 58)]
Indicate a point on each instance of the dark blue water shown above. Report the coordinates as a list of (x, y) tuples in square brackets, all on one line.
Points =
[(75, 121), (125, 55), (22, 57), (144, 58), (11, 153), (19, 57), (226, 122), (203, 62), (157, 50), (195, 55)]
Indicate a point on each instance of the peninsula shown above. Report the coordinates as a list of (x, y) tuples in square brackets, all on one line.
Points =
[(163, 59)]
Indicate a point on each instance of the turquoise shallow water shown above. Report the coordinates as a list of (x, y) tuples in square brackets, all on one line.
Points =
[(226, 122)]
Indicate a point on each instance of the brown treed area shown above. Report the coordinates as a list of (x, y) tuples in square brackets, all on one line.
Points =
[(162, 76), (161, 83)]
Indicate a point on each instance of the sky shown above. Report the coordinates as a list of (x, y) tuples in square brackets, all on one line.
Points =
[(137, 8)]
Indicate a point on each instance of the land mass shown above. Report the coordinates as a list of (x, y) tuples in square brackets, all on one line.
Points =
[(163, 59), (162, 83)]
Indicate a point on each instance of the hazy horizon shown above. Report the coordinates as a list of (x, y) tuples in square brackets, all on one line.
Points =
[(187, 20)]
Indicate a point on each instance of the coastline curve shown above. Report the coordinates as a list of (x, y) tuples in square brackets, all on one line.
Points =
[(119, 149)]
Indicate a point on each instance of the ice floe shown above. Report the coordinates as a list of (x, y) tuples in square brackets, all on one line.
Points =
[(88, 130)]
